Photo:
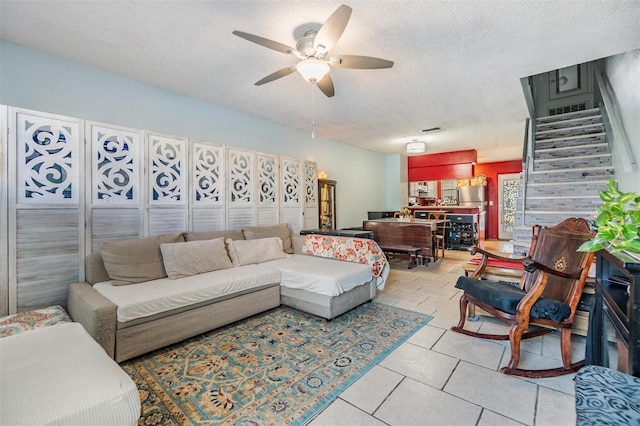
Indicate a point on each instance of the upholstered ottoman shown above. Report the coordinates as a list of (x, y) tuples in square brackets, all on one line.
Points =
[(58, 375), (606, 397)]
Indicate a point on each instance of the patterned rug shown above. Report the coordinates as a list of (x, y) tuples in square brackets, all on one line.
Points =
[(279, 367)]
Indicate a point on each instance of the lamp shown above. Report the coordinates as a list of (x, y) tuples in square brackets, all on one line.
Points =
[(415, 147), (312, 69)]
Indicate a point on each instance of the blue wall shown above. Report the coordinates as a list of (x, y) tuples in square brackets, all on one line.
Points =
[(33, 80)]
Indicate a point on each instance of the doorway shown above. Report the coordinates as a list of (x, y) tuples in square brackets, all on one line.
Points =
[(508, 188)]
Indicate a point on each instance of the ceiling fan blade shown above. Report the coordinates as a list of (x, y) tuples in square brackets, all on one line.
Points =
[(267, 43), (326, 86), (359, 62), (332, 29), (276, 75)]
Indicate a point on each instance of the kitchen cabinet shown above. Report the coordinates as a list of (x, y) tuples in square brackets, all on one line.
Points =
[(327, 203)]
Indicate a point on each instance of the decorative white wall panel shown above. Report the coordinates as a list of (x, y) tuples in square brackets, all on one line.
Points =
[(291, 182), (208, 174), (48, 159), (311, 214), (117, 165), (60, 198), (268, 189), (46, 207), (241, 200), (241, 188), (167, 169), (208, 163)]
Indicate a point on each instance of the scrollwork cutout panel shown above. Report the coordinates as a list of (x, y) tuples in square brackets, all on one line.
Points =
[(241, 177), (49, 159), (167, 166), (116, 165), (267, 180), (208, 173), (311, 184), (291, 182)]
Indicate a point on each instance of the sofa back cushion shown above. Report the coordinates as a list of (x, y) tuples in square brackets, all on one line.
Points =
[(281, 231), (194, 257), (234, 234), (136, 261), (247, 252)]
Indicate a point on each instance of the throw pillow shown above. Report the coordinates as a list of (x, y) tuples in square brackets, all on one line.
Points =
[(194, 257), (281, 231), (136, 261), (247, 252)]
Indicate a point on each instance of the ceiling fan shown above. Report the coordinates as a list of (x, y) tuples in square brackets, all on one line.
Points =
[(313, 50)]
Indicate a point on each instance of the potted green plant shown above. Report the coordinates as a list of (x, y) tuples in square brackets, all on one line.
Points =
[(617, 222)]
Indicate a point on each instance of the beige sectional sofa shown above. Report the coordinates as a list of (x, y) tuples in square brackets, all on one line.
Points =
[(141, 295)]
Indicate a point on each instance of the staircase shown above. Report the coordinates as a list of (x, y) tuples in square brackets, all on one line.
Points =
[(571, 164)]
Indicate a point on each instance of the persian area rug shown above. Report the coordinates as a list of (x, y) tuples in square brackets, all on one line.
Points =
[(279, 367)]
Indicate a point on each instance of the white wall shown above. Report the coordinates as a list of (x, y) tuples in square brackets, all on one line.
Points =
[(397, 191), (31, 79), (623, 72)]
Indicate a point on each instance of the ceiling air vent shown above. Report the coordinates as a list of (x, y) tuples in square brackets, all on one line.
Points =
[(433, 130), (565, 109)]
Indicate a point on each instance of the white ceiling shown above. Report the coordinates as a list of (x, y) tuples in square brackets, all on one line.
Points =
[(458, 63)]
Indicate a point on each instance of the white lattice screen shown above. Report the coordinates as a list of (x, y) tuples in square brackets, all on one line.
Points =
[(69, 184)]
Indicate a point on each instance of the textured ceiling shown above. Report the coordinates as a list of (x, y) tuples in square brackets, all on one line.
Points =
[(458, 63)]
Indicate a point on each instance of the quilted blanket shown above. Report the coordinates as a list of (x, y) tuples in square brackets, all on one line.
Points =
[(360, 250)]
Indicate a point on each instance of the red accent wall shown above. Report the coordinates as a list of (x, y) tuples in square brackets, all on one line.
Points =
[(446, 165), (462, 165), (491, 171)]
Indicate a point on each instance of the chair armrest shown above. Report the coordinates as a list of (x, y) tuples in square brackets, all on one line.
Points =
[(475, 249), (486, 255), (96, 313), (531, 266)]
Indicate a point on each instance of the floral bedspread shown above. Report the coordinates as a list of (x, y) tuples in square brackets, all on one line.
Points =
[(25, 321), (360, 250)]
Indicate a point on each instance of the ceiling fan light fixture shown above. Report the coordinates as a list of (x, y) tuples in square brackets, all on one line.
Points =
[(416, 147), (312, 69)]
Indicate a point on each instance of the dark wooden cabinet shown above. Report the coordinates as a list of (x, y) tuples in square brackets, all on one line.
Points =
[(618, 299)]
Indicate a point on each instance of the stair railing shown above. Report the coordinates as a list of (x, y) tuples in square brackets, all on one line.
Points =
[(618, 132)]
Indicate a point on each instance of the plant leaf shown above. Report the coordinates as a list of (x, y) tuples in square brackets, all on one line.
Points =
[(590, 245)]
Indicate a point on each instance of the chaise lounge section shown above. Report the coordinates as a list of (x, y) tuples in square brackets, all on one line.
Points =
[(144, 294)]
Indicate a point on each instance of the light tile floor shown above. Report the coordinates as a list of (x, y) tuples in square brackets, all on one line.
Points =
[(438, 377)]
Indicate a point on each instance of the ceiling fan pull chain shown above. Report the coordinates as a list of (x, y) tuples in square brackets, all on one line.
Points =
[(313, 112)]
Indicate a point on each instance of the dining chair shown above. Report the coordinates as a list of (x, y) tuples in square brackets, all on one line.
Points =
[(440, 232)]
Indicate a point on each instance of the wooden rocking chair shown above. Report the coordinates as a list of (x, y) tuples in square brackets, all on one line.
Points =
[(548, 294)]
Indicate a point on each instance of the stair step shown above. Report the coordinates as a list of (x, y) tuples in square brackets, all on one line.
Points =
[(575, 140), (570, 131), (572, 158), (569, 115), (571, 122), (567, 204), (584, 162), (571, 148), (566, 189), (572, 173)]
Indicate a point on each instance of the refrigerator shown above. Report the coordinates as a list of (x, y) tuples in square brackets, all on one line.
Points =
[(472, 196)]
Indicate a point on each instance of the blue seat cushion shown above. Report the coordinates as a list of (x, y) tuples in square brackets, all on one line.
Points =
[(505, 297)]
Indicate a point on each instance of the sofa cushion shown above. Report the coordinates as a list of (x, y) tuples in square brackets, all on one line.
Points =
[(135, 261), (247, 252), (194, 257), (281, 231), (234, 234)]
